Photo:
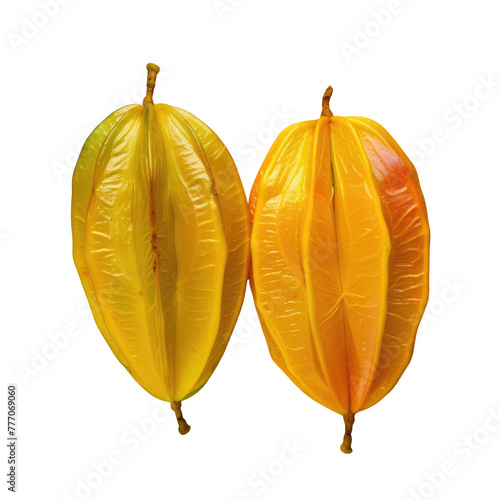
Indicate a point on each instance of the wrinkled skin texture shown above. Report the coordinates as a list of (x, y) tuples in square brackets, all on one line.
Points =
[(161, 244), (340, 259)]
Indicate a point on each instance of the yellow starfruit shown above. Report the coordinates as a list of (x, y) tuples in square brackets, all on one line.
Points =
[(161, 244)]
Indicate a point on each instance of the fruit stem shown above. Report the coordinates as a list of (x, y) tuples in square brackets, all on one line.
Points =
[(349, 422), (326, 111), (153, 70), (183, 425)]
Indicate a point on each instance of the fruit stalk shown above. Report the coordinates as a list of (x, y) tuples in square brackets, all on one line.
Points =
[(183, 425), (153, 70), (325, 110), (349, 422)]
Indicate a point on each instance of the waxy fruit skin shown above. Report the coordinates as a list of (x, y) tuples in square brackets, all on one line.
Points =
[(340, 259), (161, 242)]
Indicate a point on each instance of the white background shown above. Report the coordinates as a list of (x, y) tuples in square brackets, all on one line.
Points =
[(238, 64)]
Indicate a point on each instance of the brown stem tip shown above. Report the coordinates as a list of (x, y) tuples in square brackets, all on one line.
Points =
[(349, 422), (183, 425), (153, 70), (325, 110)]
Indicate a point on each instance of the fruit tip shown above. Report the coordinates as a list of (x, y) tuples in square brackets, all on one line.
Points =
[(345, 447), (153, 67), (184, 427)]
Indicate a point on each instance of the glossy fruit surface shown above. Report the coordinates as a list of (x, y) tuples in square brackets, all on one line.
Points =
[(161, 243), (340, 259)]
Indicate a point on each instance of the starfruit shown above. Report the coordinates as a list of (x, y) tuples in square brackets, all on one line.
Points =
[(161, 244), (340, 259)]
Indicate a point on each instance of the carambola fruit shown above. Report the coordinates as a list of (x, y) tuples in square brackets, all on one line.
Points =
[(340, 259), (161, 244)]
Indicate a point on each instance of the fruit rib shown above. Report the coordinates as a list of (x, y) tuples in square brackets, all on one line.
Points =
[(278, 280), (111, 254), (319, 244), (82, 189), (406, 218), (234, 210), (200, 251), (363, 256)]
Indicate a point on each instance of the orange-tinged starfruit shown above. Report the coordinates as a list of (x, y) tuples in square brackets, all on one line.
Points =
[(340, 259), (161, 242)]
